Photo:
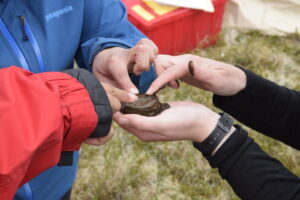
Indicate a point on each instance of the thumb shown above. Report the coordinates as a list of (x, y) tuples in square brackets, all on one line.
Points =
[(137, 122), (121, 95)]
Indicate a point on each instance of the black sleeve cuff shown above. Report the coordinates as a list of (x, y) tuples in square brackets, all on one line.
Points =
[(233, 147), (99, 99)]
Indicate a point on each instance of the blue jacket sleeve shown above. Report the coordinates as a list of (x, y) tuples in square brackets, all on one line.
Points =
[(105, 24)]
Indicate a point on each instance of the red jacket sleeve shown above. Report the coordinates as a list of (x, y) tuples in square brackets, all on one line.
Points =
[(40, 116)]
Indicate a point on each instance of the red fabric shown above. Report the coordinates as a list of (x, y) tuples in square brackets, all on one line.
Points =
[(40, 116)]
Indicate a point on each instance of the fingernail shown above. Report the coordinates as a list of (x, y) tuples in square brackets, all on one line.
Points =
[(149, 92), (134, 91), (132, 96), (191, 67), (123, 121)]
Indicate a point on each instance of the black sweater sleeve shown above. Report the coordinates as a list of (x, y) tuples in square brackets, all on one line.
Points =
[(252, 173), (266, 107)]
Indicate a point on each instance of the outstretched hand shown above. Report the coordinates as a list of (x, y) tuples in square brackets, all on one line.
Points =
[(198, 122), (217, 77)]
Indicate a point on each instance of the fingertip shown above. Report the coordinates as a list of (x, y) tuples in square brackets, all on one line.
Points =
[(134, 91), (123, 121), (117, 115), (132, 97), (137, 73), (138, 69), (149, 91), (154, 87), (174, 84)]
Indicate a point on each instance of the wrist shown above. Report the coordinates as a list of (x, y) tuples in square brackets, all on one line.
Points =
[(241, 80), (110, 50), (223, 127), (206, 129), (99, 99)]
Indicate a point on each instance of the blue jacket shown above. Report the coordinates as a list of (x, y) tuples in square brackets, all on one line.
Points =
[(43, 35)]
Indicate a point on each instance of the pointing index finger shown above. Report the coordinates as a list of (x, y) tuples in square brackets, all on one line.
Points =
[(170, 74)]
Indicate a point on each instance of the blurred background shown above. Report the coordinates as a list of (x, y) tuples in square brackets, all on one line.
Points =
[(261, 35)]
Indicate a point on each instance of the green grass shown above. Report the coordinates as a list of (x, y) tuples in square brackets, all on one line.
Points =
[(127, 169)]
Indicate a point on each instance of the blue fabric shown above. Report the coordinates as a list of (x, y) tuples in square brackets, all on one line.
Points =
[(51, 184), (64, 30), (28, 191), (61, 31), (13, 45), (36, 48)]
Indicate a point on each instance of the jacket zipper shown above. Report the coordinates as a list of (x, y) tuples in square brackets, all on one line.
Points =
[(28, 35), (28, 191), (22, 20), (14, 45), (25, 66)]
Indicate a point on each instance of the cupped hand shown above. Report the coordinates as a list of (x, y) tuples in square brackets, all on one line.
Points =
[(182, 121), (217, 77), (112, 65)]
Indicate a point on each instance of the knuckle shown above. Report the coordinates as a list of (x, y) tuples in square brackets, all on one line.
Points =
[(112, 91), (149, 43), (152, 58), (142, 67), (143, 40), (137, 71), (171, 70), (120, 76), (112, 60), (155, 48), (114, 103), (107, 88), (140, 48), (116, 108)]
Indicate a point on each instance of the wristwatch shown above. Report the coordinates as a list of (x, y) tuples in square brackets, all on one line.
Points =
[(211, 142)]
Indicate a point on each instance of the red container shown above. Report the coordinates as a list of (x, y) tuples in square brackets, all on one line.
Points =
[(179, 30)]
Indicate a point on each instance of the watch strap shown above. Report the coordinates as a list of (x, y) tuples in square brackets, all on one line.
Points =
[(224, 125)]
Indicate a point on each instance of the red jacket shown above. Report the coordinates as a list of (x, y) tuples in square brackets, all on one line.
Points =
[(41, 115)]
